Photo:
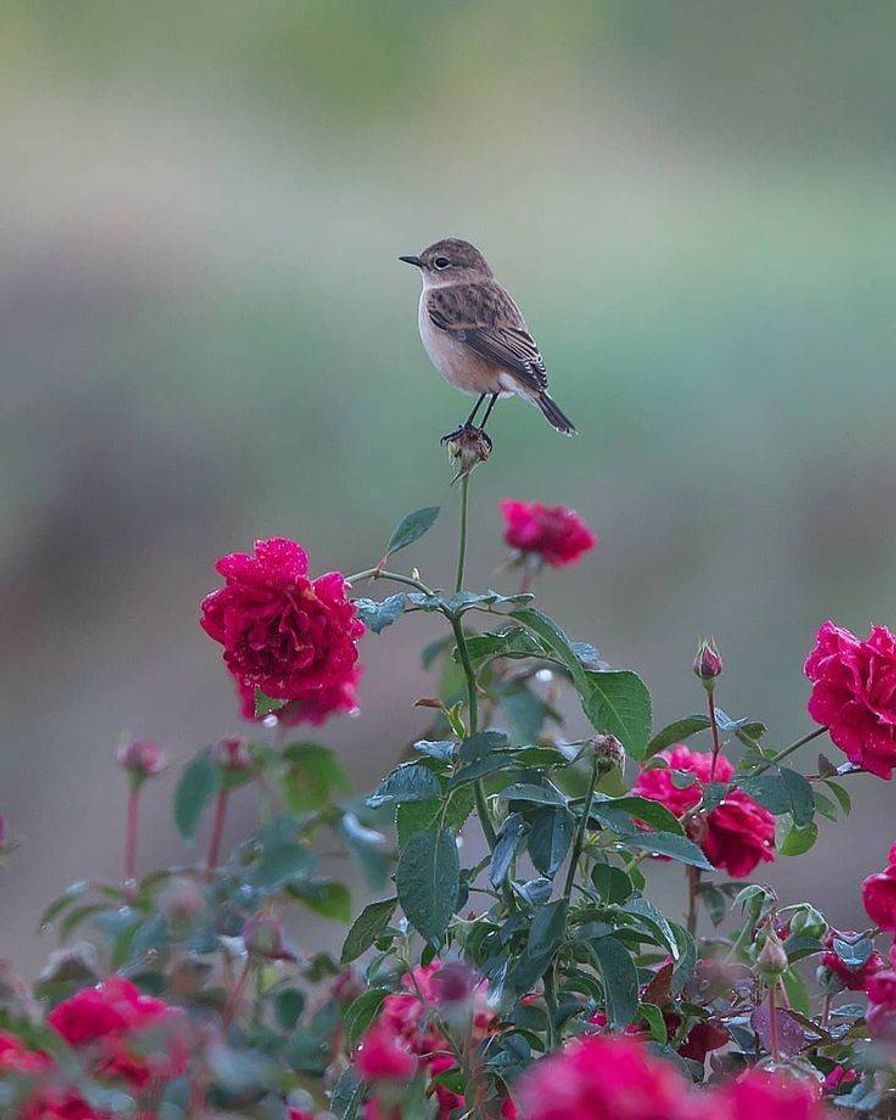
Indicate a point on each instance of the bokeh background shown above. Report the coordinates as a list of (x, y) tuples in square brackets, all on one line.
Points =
[(207, 338)]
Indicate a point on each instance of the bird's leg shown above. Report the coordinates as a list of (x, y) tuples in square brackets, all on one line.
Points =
[(488, 411), (467, 424)]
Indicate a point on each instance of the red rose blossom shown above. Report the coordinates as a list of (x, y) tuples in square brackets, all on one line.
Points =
[(556, 534), (761, 1095), (315, 709), (854, 979), (606, 1078), (384, 1056), (16, 1057), (880, 1014), (879, 897), (293, 637), (854, 694), (110, 1017), (739, 832)]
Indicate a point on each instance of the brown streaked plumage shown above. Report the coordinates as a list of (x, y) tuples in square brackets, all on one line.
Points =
[(475, 334)]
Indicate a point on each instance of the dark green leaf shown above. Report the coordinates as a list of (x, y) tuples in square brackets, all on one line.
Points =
[(359, 1015), (782, 791), (509, 835), (481, 745), (78, 916), (332, 900), (842, 796), (411, 528), (367, 928), (611, 883), (617, 702), (525, 711), (198, 784), (653, 1016), (678, 848), (802, 801), (376, 616), (441, 751), (428, 880), (311, 777), (420, 816), (266, 705), (655, 920), (620, 980), (550, 837), (676, 732), (72, 894), (514, 642), (410, 782), (348, 1094), (637, 808), (545, 936), (280, 862), (289, 1003), (370, 848), (538, 795)]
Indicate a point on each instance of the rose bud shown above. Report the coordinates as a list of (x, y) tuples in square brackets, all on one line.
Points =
[(454, 982), (182, 901), (808, 922), (468, 449), (232, 755), (772, 959), (265, 937), (609, 753), (142, 760), (708, 664)]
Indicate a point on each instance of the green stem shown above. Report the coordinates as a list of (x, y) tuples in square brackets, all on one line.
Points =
[(693, 895), (462, 542), (550, 998), (396, 577), (581, 833), (473, 723), (781, 755), (714, 725)]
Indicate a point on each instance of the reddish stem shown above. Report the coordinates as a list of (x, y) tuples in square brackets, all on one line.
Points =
[(714, 727), (773, 1021), (214, 848), (236, 994), (130, 840), (693, 893)]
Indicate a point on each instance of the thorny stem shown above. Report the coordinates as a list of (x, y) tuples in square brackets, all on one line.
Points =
[(214, 848), (581, 833), (130, 842), (473, 704), (550, 998), (236, 994), (462, 540), (395, 577), (714, 726), (775, 759), (693, 895)]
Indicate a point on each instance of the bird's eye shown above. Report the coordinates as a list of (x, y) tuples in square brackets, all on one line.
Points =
[(442, 262)]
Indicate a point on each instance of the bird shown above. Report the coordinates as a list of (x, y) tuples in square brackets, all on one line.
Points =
[(475, 334)]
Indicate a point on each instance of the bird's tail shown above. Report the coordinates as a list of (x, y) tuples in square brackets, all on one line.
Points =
[(555, 415)]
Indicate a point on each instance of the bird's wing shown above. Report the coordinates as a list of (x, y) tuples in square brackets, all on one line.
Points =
[(485, 318)]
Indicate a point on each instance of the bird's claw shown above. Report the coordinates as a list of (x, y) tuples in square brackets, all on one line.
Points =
[(467, 430)]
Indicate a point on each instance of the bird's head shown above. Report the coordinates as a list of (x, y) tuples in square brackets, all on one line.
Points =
[(450, 261)]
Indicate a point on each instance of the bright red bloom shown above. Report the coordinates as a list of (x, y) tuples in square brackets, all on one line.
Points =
[(880, 1014), (760, 1095), (315, 709), (52, 1104), (605, 1078), (739, 832), (838, 1078), (110, 1017), (384, 1056), (556, 534), (16, 1057), (293, 637), (879, 897), (299, 1114), (854, 979), (854, 694)]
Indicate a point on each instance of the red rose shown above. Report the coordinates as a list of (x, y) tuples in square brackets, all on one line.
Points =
[(65, 1104), (881, 1012), (739, 832), (315, 709), (15, 1056), (854, 979), (384, 1056), (606, 1078), (760, 1095), (879, 897), (293, 637), (854, 694), (556, 534), (110, 1018)]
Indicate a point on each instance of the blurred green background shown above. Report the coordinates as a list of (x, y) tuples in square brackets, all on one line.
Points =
[(208, 338)]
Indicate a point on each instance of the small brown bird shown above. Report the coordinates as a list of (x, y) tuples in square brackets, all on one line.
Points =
[(476, 336)]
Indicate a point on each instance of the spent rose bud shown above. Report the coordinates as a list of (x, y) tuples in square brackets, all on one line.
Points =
[(609, 753), (142, 759), (265, 937), (772, 959), (232, 755), (182, 901), (454, 982), (469, 448), (708, 664)]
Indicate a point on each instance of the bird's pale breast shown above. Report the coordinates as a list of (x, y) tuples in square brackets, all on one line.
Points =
[(457, 363)]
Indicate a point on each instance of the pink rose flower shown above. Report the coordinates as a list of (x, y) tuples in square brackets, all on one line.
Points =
[(854, 979), (880, 1014), (384, 1056), (293, 637), (559, 536), (315, 709), (854, 694), (761, 1095), (110, 1017), (606, 1078), (879, 897), (739, 832)]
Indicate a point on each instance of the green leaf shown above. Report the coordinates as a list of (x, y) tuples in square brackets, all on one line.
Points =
[(266, 705), (348, 1094), (620, 979), (420, 816), (376, 616), (70, 895), (311, 777), (617, 702), (611, 883), (676, 732), (510, 833), (782, 791), (289, 1003), (524, 710), (793, 840), (413, 781), (545, 935), (842, 796), (411, 528), (360, 1014), (637, 808), (655, 920), (332, 900), (280, 862), (481, 745), (653, 1016), (547, 794), (441, 750), (550, 837), (78, 916), (367, 928), (678, 848), (514, 642), (802, 800), (428, 880), (797, 993), (198, 784), (370, 848)]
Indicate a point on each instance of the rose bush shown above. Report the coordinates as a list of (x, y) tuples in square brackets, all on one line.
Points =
[(513, 962)]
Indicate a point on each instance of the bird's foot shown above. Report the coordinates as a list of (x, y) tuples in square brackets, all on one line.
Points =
[(469, 431)]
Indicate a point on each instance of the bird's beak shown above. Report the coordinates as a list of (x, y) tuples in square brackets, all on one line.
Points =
[(412, 260)]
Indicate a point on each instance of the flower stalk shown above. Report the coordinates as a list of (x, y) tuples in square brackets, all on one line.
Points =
[(214, 848)]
